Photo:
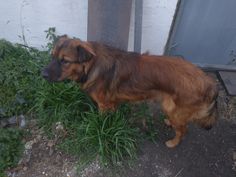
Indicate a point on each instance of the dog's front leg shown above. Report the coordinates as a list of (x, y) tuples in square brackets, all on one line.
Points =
[(108, 106), (103, 103), (180, 131)]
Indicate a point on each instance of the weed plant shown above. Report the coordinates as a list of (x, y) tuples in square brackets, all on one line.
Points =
[(19, 77)]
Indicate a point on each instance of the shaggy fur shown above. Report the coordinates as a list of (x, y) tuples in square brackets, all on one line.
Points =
[(112, 76)]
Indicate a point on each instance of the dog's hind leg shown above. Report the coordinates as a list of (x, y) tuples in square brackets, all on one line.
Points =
[(179, 118), (180, 130), (174, 119)]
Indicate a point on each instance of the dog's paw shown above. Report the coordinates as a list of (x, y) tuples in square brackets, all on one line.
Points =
[(171, 143)]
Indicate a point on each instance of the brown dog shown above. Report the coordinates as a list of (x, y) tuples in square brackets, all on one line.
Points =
[(111, 76)]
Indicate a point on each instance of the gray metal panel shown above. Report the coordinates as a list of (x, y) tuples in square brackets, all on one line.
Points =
[(109, 22), (205, 31)]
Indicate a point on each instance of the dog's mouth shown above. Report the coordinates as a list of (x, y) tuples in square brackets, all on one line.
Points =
[(52, 72), (45, 73)]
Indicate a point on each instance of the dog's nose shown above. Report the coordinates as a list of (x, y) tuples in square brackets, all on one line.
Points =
[(44, 73)]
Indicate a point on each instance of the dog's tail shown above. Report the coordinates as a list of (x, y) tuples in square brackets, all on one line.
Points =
[(210, 113)]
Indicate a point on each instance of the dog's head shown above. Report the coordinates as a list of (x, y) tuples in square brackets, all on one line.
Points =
[(70, 60)]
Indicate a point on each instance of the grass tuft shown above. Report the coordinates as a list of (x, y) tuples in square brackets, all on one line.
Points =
[(106, 135), (89, 133)]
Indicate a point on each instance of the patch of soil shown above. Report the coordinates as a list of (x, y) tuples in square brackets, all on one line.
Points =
[(201, 154), (41, 157)]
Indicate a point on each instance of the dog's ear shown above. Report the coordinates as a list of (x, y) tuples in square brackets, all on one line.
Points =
[(85, 53)]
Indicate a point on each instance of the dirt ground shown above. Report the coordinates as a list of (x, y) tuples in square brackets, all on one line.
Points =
[(201, 154)]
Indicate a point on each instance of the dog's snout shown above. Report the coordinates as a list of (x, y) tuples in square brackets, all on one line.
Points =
[(44, 73)]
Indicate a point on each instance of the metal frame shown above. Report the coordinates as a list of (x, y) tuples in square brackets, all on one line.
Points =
[(138, 25), (109, 21)]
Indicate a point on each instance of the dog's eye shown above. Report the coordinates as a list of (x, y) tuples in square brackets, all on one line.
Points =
[(63, 61)]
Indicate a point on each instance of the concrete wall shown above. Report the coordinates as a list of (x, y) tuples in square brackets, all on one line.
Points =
[(157, 19), (33, 17)]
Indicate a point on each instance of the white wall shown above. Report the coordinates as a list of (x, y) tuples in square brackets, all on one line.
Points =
[(157, 19), (33, 17)]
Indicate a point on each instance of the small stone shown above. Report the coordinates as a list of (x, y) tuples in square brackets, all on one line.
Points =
[(50, 143), (29, 144), (12, 120), (22, 122), (59, 126), (51, 151), (58, 159), (25, 168), (20, 161), (37, 139), (72, 173)]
